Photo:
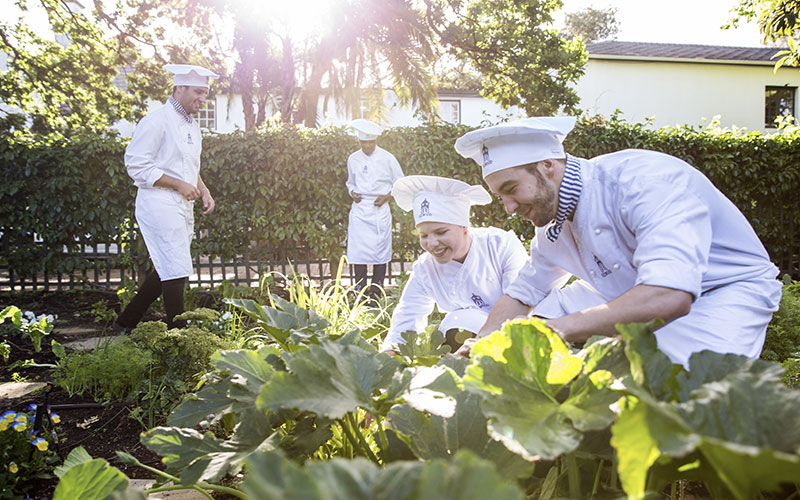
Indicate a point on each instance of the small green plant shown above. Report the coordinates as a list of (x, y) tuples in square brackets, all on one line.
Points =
[(112, 371), (26, 457), (783, 333), (126, 292), (101, 312), (26, 323)]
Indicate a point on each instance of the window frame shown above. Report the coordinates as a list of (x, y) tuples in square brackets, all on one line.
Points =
[(773, 101)]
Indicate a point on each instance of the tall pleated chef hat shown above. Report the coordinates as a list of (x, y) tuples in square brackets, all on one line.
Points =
[(438, 199), (366, 130), (189, 74), (516, 143)]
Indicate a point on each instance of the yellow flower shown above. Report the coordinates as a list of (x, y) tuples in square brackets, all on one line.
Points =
[(55, 418), (20, 426), (3, 424), (40, 444), (12, 467), (8, 416), (21, 418)]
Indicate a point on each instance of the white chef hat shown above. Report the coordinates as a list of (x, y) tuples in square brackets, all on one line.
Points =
[(516, 143), (438, 199), (366, 130), (189, 74), (470, 320)]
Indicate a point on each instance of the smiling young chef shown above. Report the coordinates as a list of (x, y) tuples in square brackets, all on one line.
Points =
[(463, 271)]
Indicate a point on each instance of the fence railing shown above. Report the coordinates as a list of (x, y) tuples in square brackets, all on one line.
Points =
[(104, 266)]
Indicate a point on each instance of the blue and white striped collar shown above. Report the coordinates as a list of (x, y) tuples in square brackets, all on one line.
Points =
[(568, 195), (177, 106)]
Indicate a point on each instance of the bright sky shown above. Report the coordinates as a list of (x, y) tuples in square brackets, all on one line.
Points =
[(674, 21)]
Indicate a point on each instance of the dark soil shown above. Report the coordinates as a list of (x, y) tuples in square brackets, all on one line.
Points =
[(101, 429)]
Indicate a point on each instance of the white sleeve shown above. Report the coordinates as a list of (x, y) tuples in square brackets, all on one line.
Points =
[(351, 179), (412, 311), (148, 136), (513, 258), (537, 277)]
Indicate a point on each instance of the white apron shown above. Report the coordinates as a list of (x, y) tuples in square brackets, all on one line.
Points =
[(165, 218), (369, 232)]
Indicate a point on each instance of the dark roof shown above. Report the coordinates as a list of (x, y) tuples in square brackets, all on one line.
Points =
[(682, 51)]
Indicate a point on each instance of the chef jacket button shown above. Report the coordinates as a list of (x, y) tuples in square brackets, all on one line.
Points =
[(615, 266), (597, 231), (592, 273)]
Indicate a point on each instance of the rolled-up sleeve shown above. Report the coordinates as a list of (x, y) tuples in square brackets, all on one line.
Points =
[(141, 152), (672, 227)]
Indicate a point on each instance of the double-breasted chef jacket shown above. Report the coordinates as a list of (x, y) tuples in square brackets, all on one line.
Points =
[(163, 142), (369, 230), (649, 218), (491, 265)]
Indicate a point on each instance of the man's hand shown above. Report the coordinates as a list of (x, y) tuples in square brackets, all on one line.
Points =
[(356, 196), (208, 202), (380, 200), (466, 347), (188, 191)]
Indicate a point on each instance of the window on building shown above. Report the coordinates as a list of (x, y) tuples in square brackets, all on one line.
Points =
[(364, 111), (778, 101), (207, 114), (450, 110)]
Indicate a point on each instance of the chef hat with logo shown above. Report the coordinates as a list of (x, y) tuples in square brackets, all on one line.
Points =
[(516, 143), (366, 130), (189, 74), (438, 199)]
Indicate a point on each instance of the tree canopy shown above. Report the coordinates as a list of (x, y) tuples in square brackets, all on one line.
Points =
[(778, 20), (505, 48), (591, 24)]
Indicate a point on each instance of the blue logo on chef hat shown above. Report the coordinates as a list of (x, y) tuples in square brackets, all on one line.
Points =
[(425, 208), (486, 160)]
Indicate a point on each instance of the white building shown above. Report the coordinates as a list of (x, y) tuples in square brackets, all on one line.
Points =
[(685, 84)]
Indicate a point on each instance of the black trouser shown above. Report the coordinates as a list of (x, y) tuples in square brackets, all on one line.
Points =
[(378, 275), (148, 293)]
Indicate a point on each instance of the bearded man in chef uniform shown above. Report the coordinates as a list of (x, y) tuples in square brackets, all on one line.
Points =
[(163, 159), (371, 172), (649, 236)]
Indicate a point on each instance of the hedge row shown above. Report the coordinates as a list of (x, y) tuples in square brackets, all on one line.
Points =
[(286, 184)]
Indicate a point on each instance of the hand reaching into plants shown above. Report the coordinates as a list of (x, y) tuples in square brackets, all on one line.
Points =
[(356, 196), (466, 347)]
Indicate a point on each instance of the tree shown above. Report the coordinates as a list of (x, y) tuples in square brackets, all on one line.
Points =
[(591, 24), (64, 87), (778, 20), (523, 62)]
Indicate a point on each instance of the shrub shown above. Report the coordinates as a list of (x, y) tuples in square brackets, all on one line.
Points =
[(783, 333)]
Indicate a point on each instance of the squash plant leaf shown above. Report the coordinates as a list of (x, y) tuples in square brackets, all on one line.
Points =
[(204, 457), (290, 325), (432, 436), (92, 480), (520, 372), (465, 477)]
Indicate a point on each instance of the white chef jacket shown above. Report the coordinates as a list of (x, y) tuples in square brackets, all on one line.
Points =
[(649, 218), (369, 230), (492, 263), (165, 143)]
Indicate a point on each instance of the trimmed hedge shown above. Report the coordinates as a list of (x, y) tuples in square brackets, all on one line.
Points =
[(286, 184)]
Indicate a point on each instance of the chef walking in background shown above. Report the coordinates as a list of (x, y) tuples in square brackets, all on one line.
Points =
[(163, 159), (371, 172)]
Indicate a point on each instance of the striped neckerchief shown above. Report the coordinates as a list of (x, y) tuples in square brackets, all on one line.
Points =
[(568, 195), (177, 106)]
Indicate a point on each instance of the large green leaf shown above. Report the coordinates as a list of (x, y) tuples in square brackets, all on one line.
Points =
[(289, 324), (242, 373), (465, 477), (432, 436), (204, 457), (330, 379), (76, 456), (651, 368), (520, 372), (92, 480)]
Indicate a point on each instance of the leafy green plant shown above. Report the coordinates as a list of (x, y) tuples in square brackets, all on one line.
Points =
[(114, 370), (783, 333), (15, 315), (101, 312), (26, 457), (28, 324)]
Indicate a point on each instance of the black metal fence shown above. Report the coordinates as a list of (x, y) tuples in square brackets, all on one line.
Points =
[(106, 266)]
